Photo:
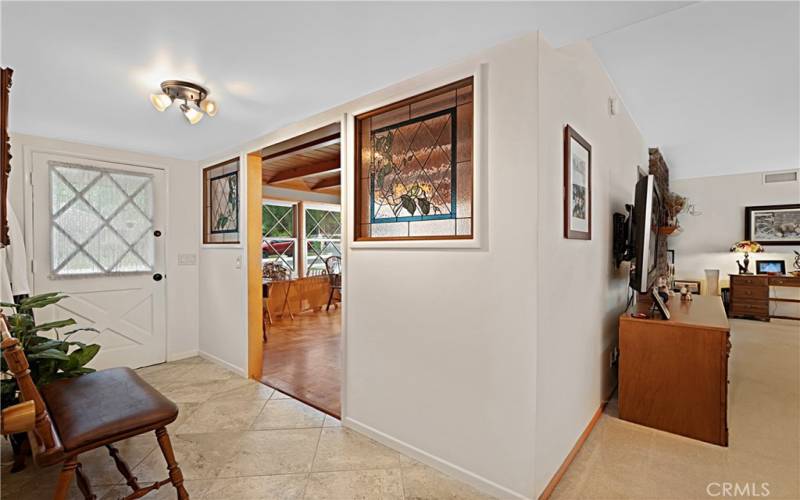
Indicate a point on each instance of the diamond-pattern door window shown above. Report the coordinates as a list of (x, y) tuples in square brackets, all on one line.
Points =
[(279, 241), (323, 238), (101, 221)]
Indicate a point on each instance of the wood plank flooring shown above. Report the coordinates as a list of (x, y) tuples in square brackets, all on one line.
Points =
[(302, 359)]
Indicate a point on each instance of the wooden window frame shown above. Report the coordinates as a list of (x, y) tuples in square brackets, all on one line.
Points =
[(358, 119)]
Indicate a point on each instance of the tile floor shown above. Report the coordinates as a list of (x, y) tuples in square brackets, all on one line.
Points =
[(623, 460), (238, 439)]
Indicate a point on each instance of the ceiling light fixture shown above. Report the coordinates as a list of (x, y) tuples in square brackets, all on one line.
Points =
[(194, 97)]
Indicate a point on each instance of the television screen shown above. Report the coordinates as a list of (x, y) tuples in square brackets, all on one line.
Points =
[(647, 206)]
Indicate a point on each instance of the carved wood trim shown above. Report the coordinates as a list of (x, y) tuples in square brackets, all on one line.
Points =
[(5, 152)]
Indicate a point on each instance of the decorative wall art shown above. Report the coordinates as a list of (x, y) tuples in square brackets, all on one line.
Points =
[(773, 224), (577, 186), (415, 168), (221, 203)]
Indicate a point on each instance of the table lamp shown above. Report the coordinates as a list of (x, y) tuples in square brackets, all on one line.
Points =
[(745, 247)]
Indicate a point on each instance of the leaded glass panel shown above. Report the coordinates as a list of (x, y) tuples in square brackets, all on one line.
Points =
[(101, 221), (415, 166)]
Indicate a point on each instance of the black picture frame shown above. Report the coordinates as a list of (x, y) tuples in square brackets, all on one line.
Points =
[(660, 305), (584, 193), (761, 263), (752, 233)]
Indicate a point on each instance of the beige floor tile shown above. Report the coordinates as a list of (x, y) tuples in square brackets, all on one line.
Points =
[(343, 449), (252, 390), (424, 483), (331, 422), (280, 487), (287, 414), (200, 456), (355, 485), (197, 491), (222, 415), (285, 451), (280, 395), (201, 391)]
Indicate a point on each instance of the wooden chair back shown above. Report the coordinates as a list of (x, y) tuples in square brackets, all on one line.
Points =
[(44, 440)]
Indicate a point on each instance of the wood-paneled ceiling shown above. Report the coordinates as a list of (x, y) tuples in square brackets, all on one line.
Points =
[(310, 162)]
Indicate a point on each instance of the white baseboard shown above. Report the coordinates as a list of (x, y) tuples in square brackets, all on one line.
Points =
[(478, 482), (223, 363), (182, 355)]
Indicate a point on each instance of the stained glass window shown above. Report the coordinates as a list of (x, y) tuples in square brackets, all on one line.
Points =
[(323, 238), (101, 221), (221, 203), (279, 243), (415, 167)]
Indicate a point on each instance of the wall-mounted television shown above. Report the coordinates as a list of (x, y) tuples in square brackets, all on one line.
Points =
[(644, 234)]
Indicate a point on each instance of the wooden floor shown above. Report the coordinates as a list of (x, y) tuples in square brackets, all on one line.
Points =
[(302, 360)]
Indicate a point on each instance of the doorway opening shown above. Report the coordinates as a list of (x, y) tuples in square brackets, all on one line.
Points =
[(301, 264)]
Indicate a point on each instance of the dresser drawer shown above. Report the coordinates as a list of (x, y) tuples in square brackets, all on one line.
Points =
[(742, 279), (749, 292), (782, 281), (754, 308)]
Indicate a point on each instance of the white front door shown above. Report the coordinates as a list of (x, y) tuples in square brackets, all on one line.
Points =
[(98, 236)]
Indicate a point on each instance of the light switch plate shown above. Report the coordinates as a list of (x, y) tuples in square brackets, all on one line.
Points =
[(187, 259)]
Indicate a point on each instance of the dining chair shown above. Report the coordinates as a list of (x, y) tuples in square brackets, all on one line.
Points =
[(333, 265)]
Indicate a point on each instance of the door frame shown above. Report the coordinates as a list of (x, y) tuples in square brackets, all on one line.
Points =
[(30, 145), (253, 335)]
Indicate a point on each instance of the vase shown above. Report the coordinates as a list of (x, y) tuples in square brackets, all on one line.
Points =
[(712, 281)]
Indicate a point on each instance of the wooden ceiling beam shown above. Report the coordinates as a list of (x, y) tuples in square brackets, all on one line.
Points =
[(322, 142), (303, 171), (328, 182)]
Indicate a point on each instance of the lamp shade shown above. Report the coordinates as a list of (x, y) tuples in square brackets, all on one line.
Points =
[(747, 246), (160, 101), (192, 115), (209, 106)]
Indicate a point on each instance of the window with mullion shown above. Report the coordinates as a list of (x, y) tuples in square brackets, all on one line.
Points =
[(323, 238), (279, 242)]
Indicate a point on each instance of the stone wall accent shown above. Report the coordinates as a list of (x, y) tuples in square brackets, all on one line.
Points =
[(659, 168)]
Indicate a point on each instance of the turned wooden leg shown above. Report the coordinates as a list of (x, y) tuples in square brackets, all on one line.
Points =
[(65, 477), (175, 474), (83, 483), (122, 467)]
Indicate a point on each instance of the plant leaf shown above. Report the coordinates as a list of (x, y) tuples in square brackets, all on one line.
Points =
[(43, 346), (424, 205), (85, 354), (408, 204), (50, 354), (53, 324)]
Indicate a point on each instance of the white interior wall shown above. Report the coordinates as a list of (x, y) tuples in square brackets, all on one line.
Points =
[(429, 329), (581, 294), (182, 228), (705, 239)]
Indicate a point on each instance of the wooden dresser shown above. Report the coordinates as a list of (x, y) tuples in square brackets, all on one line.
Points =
[(673, 374), (750, 296)]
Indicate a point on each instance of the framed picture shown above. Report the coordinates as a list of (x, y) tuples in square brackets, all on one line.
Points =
[(577, 186), (692, 285), (221, 203), (770, 266), (773, 224)]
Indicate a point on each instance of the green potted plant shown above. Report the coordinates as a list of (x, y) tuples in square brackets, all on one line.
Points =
[(50, 357)]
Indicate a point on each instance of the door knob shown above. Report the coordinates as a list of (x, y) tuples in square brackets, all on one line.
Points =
[(157, 277)]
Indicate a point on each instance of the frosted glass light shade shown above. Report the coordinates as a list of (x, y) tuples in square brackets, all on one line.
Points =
[(192, 115), (160, 101), (210, 107)]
